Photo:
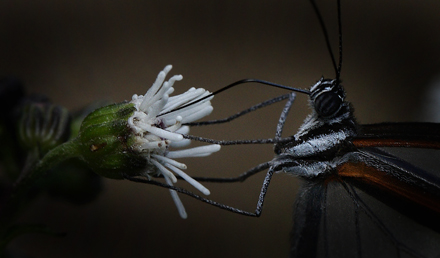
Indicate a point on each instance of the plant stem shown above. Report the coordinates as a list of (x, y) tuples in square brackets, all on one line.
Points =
[(33, 170)]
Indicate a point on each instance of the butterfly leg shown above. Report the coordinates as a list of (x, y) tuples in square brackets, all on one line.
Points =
[(256, 213), (283, 116)]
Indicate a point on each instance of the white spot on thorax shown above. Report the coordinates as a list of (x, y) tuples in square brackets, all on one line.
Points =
[(318, 144)]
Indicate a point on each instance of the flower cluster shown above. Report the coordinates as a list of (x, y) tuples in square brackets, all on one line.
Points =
[(157, 126)]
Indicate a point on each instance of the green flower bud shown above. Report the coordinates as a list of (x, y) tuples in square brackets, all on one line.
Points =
[(106, 141), (42, 125)]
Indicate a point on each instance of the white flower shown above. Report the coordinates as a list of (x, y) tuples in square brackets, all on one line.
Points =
[(157, 129)]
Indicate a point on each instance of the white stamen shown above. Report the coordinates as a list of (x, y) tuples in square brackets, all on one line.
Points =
[(154, 145), (161, 133), (166, 173), (165, 87), (197, 115), (190, 180), (177, 201), (188, 110), (170, 161), (183, 130), (176, 126), (180, 144), (156, 108), (154, 88), (183, 99), (193, 152)]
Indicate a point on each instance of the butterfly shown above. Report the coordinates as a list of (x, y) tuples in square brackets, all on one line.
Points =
[(362, 196)]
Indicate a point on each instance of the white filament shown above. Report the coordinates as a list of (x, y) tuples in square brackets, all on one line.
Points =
[(157, 124)]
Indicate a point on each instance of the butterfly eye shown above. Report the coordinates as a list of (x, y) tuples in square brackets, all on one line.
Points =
[(327, 104)]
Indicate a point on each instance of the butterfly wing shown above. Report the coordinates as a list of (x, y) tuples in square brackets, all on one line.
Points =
[(377, 204), (410, 157), (414, 135), (337, 218)]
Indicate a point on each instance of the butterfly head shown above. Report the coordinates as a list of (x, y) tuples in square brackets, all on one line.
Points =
[(327, 97)]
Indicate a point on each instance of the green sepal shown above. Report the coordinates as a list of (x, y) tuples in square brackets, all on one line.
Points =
[(113, 112), (105, 142), (79, 115)]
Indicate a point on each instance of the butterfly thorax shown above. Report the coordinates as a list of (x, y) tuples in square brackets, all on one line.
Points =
[(325, 136)]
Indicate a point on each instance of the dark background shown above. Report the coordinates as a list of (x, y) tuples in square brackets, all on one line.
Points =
[(77, 52)]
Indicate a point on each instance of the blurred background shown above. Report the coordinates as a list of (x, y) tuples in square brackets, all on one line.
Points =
[(78, 52)]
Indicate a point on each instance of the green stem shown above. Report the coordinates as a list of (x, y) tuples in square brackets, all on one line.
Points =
[(55, 156), (30, 174)]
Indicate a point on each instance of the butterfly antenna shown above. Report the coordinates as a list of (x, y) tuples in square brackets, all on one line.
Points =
[(327, 40), (276, 85), (338, 73)]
